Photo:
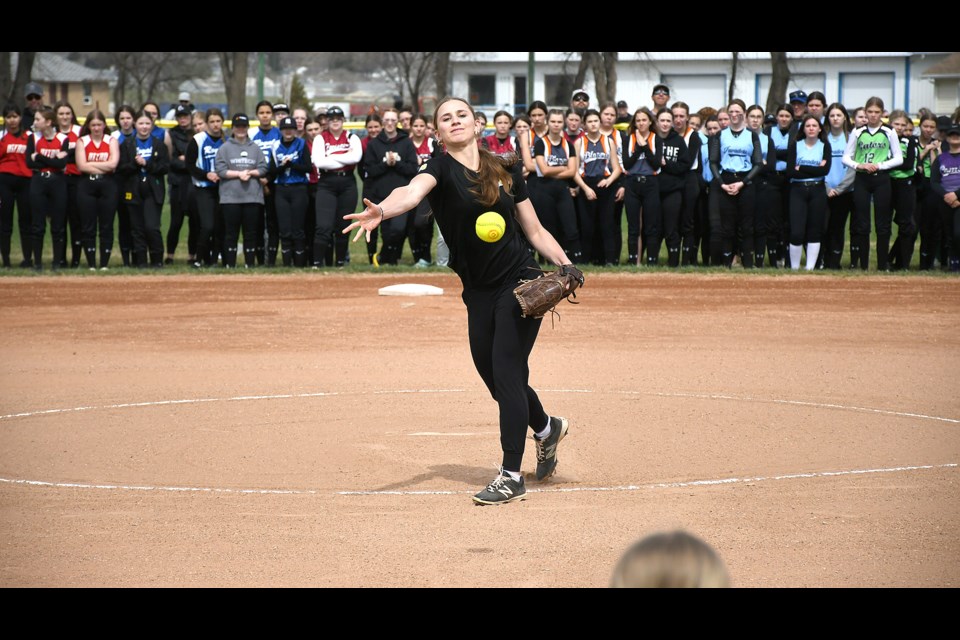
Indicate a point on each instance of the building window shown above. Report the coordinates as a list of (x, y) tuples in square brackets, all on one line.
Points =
[(65, 92), (558, 89), (519, 94), (87, 94), (482, 90)]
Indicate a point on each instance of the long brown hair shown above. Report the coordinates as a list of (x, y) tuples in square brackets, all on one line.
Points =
[(492, 172)]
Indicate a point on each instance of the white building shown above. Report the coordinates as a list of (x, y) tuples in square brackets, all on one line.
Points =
[(498, 80)]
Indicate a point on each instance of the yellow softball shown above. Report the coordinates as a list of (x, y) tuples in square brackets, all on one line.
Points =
[(490, 226)]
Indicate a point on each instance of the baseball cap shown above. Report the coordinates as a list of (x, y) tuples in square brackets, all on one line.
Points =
[(240, 120), (335, 112), (287, 123), (799, 96), (657, 88), (580, 92), (32, 89), (622, 104), (943, 122), (953, 128), (181, 110), (281, 106), (184, 96), (769, 119)]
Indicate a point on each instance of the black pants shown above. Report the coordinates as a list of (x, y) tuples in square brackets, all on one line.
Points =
[(808, 212), (642, 192), (235, 217), (14, 190), (931, 229), (500, 343), (838, 208), (736, 220), (145, 226), (597, 220), (420, 231), (124, 234), (865, 186), (671, 203), (208, 203), (268, 229), (182, 205), (336, 197), (48, 197), (74, 222), (97, 200), (903, 192), (688, 215), (291, 201), (559, 216)]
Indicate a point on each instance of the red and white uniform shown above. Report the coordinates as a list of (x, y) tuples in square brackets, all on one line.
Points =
[(94, 152), (49, 148), (424, 149), (336, 154), (13, 154), (73, 135)]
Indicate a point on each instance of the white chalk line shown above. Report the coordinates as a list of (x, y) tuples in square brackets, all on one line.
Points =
[(621, 488), (321, 394), (670, 485)]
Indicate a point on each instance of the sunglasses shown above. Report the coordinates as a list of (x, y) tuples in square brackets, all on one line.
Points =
[(34, 96), (581, 99), (660, 92)]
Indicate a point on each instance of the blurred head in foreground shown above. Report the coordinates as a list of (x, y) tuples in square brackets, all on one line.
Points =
[(670, 560)]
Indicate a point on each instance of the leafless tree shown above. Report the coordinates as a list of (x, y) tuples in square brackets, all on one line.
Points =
[(604, 67), (233, 66), (11, 88), (145, 75), (441, 74), (734, 67), (779, 80), (409, 71)]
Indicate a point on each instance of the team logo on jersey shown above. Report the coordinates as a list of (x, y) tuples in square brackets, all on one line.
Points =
[(422, 167)]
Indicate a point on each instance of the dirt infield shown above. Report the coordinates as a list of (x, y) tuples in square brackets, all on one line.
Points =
[(300, 430)]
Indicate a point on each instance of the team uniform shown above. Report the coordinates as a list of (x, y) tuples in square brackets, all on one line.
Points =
[(48, 196), (903, 193), (384, 178), (808, 198), (97, 200), (241, 202), (556, 210), (201, 154), (929, 223), (736, 156), (15, 190), (335, 159), (760, 215), (597, 216), (72, 176), (672, 182), (124, 235), (500, 339), (774, 196), (641, 165), (840, 178), (143, 189), (880, 146), (268, 237), (420, 224), (290, 175), (945, 178), (181, 194), (691, 196)]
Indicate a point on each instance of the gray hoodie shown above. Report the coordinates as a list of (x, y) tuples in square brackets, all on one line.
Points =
[(237, 156)]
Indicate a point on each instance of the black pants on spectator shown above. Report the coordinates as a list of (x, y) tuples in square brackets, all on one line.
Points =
[(865, 187), (904, 196), (394, 232), (671, 203), (182, 205), (336, 197), (597, 219), (291, 201), (14, 190), (48, 197), (208, 202), (642, 193), (74, 223), (236, 216), (124, 234), (145, 227), (559, 216), (97, 199), (838, 209), (808, 212), (688, 214), (736, 220)]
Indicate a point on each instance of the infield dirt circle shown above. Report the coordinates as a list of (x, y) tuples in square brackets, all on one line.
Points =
[(300, 430)]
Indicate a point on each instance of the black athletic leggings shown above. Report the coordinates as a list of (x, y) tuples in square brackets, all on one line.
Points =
[(235, 216), (97, 199), (208, 201), (291, 202), (48, 197), (878, 186), (736, 219), (641, 193), (14, 190), (336, 197), (182, 205), (500, 343), (559, 216), (839, 207)]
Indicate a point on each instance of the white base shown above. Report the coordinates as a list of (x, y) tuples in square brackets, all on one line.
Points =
[(410, 290)]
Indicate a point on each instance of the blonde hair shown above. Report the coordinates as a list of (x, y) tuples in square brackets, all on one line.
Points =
[(670, 560)]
